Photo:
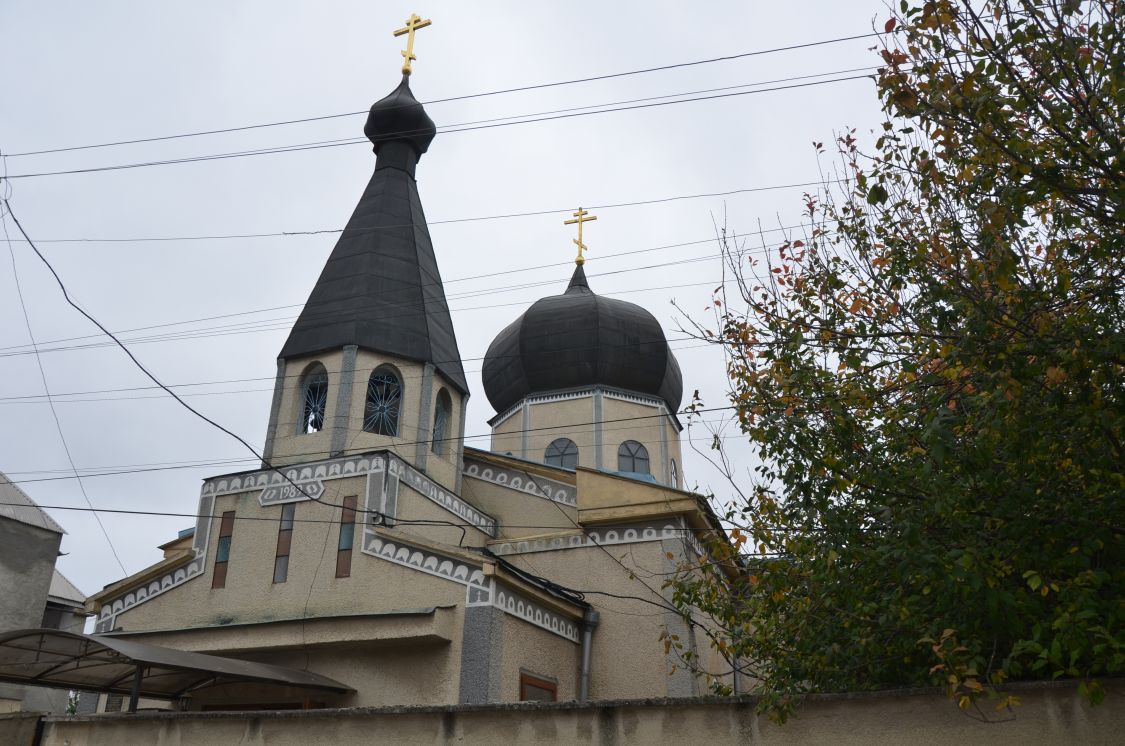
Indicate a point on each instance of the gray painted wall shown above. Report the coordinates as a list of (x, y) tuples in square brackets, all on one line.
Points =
[(27, 561)]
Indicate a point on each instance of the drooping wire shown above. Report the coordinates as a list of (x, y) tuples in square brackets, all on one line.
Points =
[(47, 389)]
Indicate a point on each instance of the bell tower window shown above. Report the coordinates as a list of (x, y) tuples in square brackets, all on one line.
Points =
[(632, 457), (442, 410), (384, 402), (314, 400), (562, 452)]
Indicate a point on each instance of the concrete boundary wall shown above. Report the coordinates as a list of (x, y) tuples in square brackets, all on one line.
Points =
[(1050, 714)]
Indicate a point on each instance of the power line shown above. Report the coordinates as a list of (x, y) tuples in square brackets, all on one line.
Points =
[(37, 398), (409, 309), (109, 470), (538, 86), (355, 141), (286, 323), (474, 219), (47, 390), (136, 362), (273, 519), (394, 445)]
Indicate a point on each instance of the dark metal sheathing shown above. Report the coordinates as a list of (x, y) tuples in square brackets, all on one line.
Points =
[(380, 288), (581, 339)]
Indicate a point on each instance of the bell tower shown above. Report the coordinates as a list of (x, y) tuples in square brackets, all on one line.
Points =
[(372, 361)]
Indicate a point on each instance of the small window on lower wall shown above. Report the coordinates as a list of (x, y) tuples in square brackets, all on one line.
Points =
[(537, 689), (284, 543), (222, 550), (347, 536)]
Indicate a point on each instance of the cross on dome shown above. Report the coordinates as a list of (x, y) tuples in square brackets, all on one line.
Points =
[(579, 219)]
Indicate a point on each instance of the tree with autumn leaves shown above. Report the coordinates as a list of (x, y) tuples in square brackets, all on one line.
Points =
[(932, 376)]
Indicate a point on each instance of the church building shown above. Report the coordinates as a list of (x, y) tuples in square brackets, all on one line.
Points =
[(379, 555)]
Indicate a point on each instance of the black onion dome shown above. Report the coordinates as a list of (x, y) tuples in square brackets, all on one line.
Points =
[(400, 117), (581, 339)]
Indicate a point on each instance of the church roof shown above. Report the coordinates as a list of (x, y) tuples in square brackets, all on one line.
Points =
[(380, 288), (581, 339)]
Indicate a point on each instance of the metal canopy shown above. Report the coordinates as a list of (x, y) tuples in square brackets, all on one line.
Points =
[(97, 663)]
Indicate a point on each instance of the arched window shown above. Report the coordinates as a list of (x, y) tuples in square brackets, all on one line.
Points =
[(674, 473), (384, 402), (562, 452), (443, 411), (314, 400), (633, 457)]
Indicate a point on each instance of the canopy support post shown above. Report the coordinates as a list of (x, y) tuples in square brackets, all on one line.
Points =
[(135, 695)]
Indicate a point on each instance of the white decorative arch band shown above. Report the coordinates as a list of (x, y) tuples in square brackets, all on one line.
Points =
[(441, 497), (548, 489), (480, 590), (634, 533)]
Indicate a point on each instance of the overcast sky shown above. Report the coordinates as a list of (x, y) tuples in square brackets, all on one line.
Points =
[(80, 73)]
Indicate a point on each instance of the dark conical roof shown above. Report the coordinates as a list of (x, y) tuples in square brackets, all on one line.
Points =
[(380, 288), (581, 339)]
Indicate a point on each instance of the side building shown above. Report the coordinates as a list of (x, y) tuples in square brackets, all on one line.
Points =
[(36, 595)]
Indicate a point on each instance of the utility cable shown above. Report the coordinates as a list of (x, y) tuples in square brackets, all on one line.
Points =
[(356, 141), (47, 390), (409, 309), (113, 470), (137, 363), (479, 218), (396, 444), (462, 97), (273, 519)]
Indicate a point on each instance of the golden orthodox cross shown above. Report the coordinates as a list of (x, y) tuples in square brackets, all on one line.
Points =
[(579, 219), (413, 23)]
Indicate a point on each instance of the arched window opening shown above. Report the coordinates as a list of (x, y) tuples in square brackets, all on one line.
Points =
[(562, 452), (632, 457), (384, 402), (443, 410), (314, 400), (674, 473)]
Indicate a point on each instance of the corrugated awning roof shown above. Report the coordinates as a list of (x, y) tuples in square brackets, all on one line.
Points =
[(15, 504), (63, 590), (67, 660)]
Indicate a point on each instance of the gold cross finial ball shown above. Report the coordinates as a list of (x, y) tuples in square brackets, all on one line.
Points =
[(580, 217), (413, 23)]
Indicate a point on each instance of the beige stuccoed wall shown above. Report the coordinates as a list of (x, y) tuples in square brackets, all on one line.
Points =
[(568, 418), (628, 654), (1049, 715), (250, 593), (540, 653), (507, 436), (648, 430), (573, 417), (290, 446), (383, 675), (520, 514), (415, 507)]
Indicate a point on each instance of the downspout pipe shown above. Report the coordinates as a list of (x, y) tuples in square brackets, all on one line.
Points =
[(590, 621)]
